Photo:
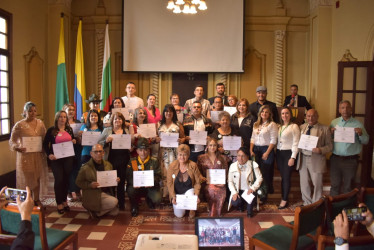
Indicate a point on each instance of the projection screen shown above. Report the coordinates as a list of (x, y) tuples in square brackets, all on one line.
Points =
[(157, 40)]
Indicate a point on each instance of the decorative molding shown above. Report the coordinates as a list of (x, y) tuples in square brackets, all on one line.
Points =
[(221, 77), (155, 83), (66, 3), (316, 3), (369, 46), (262, 58), (280, 4), (347, 57), (100, 37), (279, 65)]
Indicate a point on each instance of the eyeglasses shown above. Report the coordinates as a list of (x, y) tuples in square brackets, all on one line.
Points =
[(98, 152)]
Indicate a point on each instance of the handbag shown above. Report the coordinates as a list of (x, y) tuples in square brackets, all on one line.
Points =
[(262, 191)]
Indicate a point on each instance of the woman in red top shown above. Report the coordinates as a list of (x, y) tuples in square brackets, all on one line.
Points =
[(153, 113)]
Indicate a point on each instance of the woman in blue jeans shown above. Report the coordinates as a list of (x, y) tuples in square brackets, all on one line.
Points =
[(263, 141)]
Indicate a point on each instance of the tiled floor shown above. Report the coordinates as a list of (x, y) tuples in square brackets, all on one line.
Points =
[(121, 232)]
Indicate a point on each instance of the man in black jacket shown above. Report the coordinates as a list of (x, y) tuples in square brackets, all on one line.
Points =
[(295, 100), (261, 93)]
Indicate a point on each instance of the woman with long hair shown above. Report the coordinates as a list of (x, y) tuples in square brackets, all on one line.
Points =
[(60, 132), (168, 124), (140, 117), (93, 124), (117, 103), (243, 121), (214, 193), (263, 141), (288, 140), (119, 158), (153, 113)]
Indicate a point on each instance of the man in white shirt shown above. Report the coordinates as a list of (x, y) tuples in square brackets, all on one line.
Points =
[(131, 101), (312, 164), (199, 92)]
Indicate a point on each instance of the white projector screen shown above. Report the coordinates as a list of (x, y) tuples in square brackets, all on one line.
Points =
[(157, 40)]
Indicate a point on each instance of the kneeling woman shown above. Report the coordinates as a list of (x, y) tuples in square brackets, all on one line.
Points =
[(183, 177), (242, 175)]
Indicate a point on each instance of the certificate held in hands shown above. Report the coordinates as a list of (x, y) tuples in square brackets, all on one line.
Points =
[(198, 137), (143, 178), (124, 111), (90, 138), (32, 144), (187, 202), (63, 150), (232, 142), (308, 142), (169, 140), (147, 130), (107, 178), (122, 141), (344, 134), (216, 176), (76, 127)]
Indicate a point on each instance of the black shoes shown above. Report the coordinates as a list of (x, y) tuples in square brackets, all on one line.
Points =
[(250, 214), (150, 204), (67, 209), (134, 212), (283, 207)]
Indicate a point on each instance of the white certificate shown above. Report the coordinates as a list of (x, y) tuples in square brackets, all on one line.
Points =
[(147, 130), (216, 176), (32, 144), (64, 149), (76, 127), (90, 138), (180, 117), (214, 115), (198, 137), (187, 202), (107, 178), (143, 178), (232, 142), (344, 134), (169, 140), (248, 197), (231, 110), (122, 141), (308, 142), (124, 111)]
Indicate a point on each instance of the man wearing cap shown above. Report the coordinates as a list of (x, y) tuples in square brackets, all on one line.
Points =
[(94, 103), (98, 201), (261, 93), (141, 163)]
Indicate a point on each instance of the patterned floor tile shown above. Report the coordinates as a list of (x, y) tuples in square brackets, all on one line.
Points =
[(63, 221), (288, 218), (87, 248), (107, 223), (55, 215), (96, 236), (266, 224), (72, 227)]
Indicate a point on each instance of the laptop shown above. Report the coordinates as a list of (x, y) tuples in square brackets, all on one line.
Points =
[(220, 233)]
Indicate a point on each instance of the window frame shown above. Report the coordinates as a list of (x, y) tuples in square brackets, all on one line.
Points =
[(9, 53)]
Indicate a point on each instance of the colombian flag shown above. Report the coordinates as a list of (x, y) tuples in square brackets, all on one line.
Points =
[(106, 81), (80, 85), (62, 94)]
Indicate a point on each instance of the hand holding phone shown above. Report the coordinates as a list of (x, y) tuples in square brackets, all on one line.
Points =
[(12, 193), (355, 214)]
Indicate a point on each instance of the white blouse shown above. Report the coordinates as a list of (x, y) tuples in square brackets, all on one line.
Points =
[(265, 134), (288, 138)]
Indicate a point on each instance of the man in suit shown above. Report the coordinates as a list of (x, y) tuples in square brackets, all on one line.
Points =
[(261, 94), (220, 89), (312, 164), (295, 100)]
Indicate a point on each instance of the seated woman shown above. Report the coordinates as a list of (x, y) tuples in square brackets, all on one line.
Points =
[(183, 177), (214, 193), (241, 178)]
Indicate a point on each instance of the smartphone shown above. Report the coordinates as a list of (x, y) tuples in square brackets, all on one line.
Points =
[(354, 214), (12, 193)]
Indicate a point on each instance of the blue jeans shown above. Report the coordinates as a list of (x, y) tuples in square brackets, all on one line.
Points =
[(266, 166), (240, 202)]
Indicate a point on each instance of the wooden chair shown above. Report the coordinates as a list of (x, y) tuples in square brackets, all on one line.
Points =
[(45, 238), (308, 219), (335, 205)]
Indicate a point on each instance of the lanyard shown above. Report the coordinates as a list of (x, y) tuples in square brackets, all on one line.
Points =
[(281, 130)]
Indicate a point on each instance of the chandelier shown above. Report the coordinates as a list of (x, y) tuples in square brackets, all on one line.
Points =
[(189, 6)]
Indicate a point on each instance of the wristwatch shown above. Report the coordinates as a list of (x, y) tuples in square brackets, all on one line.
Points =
[(340, 241)]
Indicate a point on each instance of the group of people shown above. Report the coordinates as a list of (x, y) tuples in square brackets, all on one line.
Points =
[(219, 236), (266, 138)]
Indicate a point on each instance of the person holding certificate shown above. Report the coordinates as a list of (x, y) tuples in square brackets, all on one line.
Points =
[(140, 117), (31, 167), (196, 122), (60, 132), (183, 178), (117, 103), (242, 174), (97, 200), (214, 193), (243, 121), (143, 176), (312, 163), (222, 131), (119, 158), (345, 155), (288, 140), (75, 124), (93, 124), (168, 124), (263, 141)]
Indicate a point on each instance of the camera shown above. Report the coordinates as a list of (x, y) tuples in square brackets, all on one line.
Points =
[(354, 214)]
